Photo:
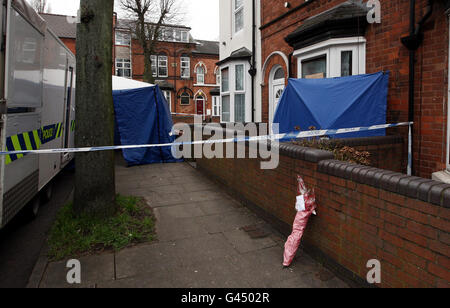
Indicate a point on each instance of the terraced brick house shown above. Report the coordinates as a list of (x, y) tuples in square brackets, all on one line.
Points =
[(333, 38), (184, 68)]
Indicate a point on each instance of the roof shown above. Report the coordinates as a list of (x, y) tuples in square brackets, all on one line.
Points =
[(240, 54), (207, 47), (63, 26), (346, 19)]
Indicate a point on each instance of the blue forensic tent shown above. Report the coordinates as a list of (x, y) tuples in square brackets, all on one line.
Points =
[(334, 103), (143, 117)]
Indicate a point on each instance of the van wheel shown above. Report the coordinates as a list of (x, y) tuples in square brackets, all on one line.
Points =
[(47, 193), (33, 208)]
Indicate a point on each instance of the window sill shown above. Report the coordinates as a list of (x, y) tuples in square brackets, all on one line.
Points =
[(442, 176), (204, 85)]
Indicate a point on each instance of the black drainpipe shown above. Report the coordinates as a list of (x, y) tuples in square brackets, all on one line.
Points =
[(413, 42), (291, 75), (253, 70)]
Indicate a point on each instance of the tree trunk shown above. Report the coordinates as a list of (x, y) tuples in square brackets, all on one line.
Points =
[(148, 74), (94, 175)]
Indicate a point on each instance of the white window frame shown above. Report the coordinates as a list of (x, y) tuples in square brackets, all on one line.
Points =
[(216, 106), (154, 64), (184, 60), (221, 107), (166, 66), (200, 81), (123, 34), (225, 94), (232, 90), (123, 61), (235, 12), (218, 78), (333, 48), (239, 92), (183, 38)]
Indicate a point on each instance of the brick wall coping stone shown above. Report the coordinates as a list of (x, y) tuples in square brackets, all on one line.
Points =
[(426, 190), (379, 140)]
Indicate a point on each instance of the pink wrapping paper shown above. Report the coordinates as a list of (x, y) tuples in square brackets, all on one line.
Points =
[(300, 222)]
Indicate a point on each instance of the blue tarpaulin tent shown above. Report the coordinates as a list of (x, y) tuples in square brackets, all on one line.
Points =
[(334, 103), (143, 117)]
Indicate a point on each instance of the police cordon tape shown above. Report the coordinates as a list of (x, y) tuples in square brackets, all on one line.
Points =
[(279, 137)]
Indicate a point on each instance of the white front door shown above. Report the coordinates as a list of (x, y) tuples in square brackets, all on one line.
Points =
[(277, 92)]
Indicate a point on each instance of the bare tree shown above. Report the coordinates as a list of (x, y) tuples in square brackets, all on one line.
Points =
[(146, 20), (94, 171), (41, 6)]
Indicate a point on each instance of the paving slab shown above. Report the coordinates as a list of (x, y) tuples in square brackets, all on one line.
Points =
[(146, 259), (228, 221), (178, 229), (93, 270), (243, 243), (155, 280)]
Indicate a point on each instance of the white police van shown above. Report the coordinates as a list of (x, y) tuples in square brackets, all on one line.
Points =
[(37, 107)]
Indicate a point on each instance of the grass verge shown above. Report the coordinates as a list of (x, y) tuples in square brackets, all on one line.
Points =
[(73, 236)]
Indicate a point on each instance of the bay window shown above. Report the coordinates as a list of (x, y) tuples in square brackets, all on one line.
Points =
[(338, 57), (226, 114), (235, 98), (315, 68), (239, 97), (225, 79), (216, 106)]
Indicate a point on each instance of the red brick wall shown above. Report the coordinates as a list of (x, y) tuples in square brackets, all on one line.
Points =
[(360, 217), (385, 52), (70, 43)]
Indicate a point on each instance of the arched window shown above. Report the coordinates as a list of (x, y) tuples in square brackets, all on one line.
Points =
[(200, 74), (279, 74), (185, 99)]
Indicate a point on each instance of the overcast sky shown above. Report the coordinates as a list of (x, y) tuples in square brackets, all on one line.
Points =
[(201, 15)]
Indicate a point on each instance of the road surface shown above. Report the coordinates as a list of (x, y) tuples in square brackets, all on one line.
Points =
[(21, 241)]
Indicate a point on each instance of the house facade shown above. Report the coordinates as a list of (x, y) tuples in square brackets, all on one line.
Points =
[(334, 38), (240, 61), (184, 68)]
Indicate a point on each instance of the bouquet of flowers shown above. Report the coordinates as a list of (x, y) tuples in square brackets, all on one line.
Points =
[(305, 206)]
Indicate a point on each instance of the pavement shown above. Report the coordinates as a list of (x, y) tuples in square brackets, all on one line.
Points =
[(205, 240)]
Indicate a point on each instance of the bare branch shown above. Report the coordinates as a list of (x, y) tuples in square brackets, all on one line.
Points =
[(40, 6)]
